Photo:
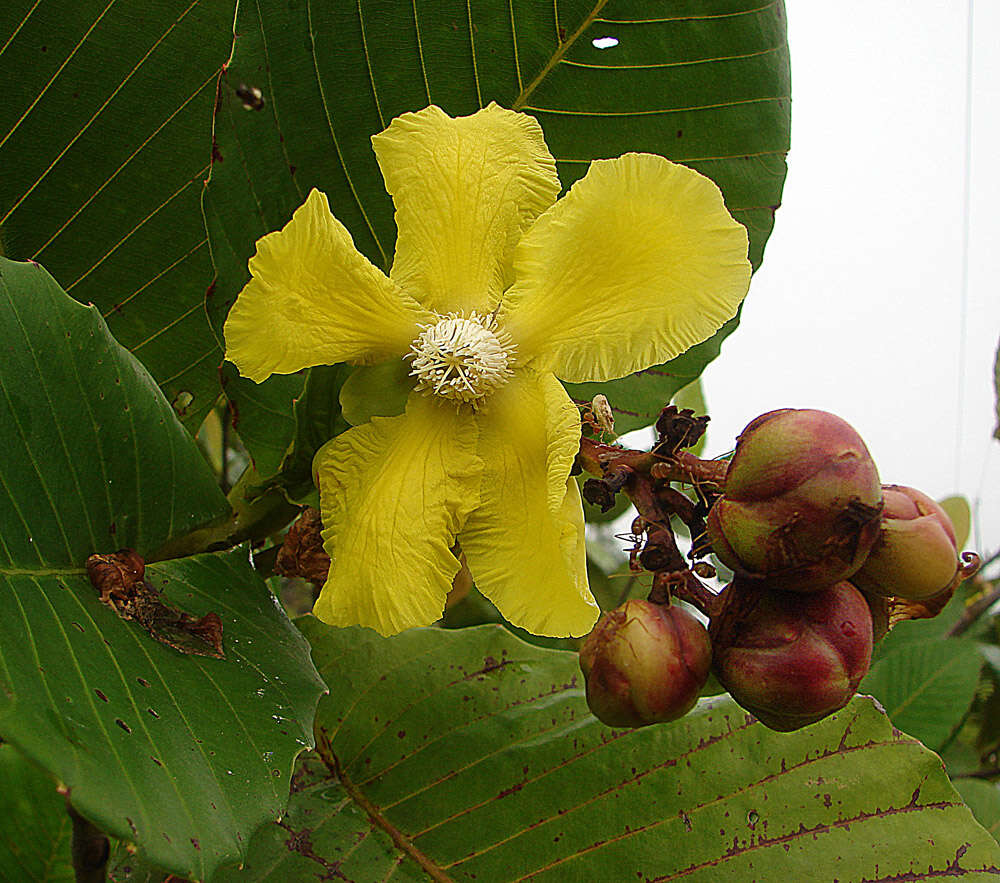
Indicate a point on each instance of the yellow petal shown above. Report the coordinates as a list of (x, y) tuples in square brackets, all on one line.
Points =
[(524, 544), (464, 189), (314, 299), (394, 493), (637, 263)]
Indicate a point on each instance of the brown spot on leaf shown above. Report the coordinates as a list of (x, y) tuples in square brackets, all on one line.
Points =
[(119, 577)]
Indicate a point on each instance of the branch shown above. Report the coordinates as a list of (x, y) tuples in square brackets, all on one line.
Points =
[(90, 849)]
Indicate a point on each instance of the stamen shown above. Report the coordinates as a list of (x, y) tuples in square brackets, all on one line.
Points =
[(462, 359)]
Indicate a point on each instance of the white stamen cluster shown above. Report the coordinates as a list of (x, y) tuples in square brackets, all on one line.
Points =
[(462, 359)]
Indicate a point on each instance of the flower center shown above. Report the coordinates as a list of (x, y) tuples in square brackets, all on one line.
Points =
[(462, 359)]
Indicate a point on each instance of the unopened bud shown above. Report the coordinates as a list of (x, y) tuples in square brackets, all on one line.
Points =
[(915, 555), (790, 658), (645, 663), (801, 502)]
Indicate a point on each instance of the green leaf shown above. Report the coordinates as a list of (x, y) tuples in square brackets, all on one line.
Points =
[(260, 417), (926, 688), (707, 86), (35, 829), (983, 798), (125, 866), (93, 456), (317, 419), (105, 139), (473, 754), (184, 755), (379, 390)]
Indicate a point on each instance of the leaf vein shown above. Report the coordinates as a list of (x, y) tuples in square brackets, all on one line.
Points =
[(420, 53), (562, 47), (158, 276), (368, 64), (52, 79), (667, 64), (333, 136), (86, 126), (655, 111), (20, 25), (709, 16), (472, 50)]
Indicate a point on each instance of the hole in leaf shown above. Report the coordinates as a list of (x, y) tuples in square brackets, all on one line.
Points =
[(604, 42)]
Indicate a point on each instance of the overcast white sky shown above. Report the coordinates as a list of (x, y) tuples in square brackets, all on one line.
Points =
[(858, 307)]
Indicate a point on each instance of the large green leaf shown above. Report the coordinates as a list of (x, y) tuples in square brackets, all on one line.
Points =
[(472, 754), (93, 456), (184, 755), (925, 680), (926, 688), (983, 799), (706, 84), (105, 139), (35, 829)]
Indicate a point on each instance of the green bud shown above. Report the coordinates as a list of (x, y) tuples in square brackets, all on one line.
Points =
[(916, 554), (801, 501), (790, 658), (645, 663)]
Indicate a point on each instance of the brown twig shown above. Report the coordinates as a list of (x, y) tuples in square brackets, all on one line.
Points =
[(645, 479), (90, 849), (987, 596)]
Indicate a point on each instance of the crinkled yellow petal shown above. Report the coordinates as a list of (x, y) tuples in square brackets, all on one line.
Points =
[(314, 299), (394, 493), (637, 263), (524, 543), (465, 189)]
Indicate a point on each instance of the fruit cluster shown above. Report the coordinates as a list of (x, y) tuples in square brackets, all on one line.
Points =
[(819, 550)]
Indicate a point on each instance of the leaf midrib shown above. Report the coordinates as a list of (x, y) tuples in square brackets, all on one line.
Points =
[(65, 570), (557, 56)]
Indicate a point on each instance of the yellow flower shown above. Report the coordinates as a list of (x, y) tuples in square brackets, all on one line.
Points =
[(496, 290)]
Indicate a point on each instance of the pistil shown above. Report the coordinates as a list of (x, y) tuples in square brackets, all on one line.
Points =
[(461, 358)]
